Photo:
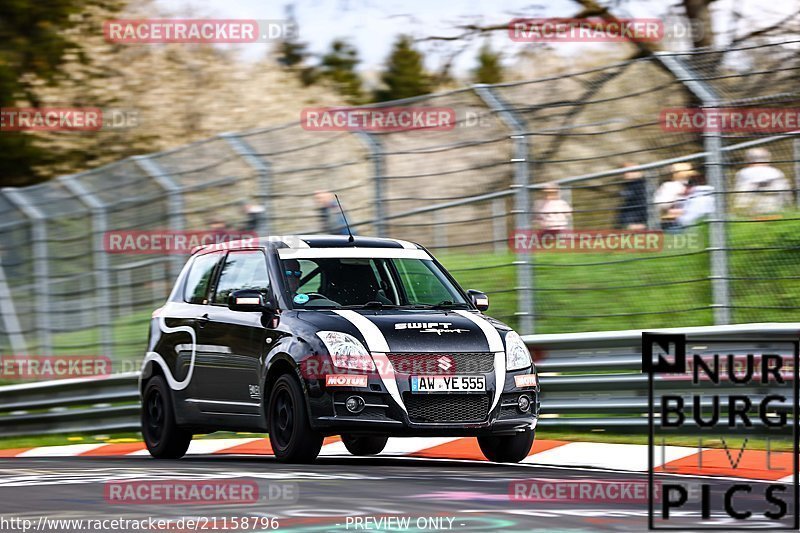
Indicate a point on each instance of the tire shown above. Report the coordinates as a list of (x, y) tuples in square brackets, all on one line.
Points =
[(507, 449), (162, 436), (364, 445), (290, 433)]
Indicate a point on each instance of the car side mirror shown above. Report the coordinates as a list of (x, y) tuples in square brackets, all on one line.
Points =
[(249, 300), (479, 299)]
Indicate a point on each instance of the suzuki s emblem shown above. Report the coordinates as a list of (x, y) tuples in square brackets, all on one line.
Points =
[(445, 363)]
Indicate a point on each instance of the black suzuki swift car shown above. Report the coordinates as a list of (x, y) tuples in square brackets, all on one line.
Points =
[(311, 336)]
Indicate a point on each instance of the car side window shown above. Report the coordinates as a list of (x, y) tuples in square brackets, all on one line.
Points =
[(313, 283), (196, 288), (242, 270)]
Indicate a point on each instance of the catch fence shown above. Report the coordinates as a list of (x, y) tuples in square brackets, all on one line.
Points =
[(463, 192)]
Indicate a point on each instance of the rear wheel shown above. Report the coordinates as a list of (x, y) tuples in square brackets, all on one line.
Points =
[(507, 449), (162, 436), (290, 433), (364, 445)]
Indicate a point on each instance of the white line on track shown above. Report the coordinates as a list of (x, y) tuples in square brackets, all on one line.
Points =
[(60, 451)]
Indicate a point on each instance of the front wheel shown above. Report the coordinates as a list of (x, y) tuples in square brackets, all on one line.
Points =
[(364, 445), (507, 449), (290, 433), (162, 436)]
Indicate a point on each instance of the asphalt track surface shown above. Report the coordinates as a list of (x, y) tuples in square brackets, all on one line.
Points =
[(329, 495)]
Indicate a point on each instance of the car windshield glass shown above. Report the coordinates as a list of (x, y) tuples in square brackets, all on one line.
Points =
[(368, 283)]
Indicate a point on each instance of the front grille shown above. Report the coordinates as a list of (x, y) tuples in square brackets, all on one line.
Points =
[(442, 363), (510, 412), (447, 407), (369, 413)]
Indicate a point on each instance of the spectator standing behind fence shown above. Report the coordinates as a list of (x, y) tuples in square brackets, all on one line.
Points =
[(760, 188), (218, 229), (333, 222), (632, 213), (697, 204), (551, 212), (255, 215), (672, 191)]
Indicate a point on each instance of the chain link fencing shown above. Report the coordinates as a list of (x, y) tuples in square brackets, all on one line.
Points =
[(595, 140)]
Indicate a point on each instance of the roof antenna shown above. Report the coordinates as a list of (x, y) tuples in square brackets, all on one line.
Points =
[(347, 225)]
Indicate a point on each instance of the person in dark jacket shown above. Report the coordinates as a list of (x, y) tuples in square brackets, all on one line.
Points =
[(255, 216), (333, 222), (632, 212)]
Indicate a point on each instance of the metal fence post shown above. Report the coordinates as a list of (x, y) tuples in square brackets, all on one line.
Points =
[(653, 221), (159, 272), (796, 156), (717, 231), (41, 270), (566, 195), (9, 313), (439, 231), (377, 157), (499, 226), (522, 202), (125, 282), (712, 142), (263, 177), (174, 200), (102, 292)]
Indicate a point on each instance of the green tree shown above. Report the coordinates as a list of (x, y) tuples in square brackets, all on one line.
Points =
[(201, 91), (339, 67), (291, 51), (405, 74), (34, 40), (489, 69)]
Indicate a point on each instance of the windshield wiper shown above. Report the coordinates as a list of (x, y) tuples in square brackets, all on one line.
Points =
[(449, 304), (444, 304), (372, 304)]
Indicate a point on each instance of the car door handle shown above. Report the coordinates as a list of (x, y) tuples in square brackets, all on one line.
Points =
[(202, 321)]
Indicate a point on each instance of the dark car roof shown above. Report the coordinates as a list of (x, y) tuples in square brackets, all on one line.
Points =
[(311, 241)]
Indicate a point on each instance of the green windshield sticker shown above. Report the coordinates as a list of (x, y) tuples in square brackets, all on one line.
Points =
[(301, 298)]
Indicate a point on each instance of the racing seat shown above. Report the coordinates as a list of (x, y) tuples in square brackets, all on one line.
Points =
[(353, 285)]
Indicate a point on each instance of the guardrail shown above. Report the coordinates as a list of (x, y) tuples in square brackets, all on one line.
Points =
[(103, 404), (593, 381), (590, 381)]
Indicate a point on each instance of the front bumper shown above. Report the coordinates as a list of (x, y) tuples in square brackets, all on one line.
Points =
[(382, 415)]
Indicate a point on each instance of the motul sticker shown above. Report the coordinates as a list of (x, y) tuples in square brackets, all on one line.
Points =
[(526, 380), (345, 380)]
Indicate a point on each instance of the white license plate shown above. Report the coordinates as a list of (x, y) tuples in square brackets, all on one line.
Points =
[(448, 384)]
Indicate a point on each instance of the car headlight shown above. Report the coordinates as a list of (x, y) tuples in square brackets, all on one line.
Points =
[(346, 351), (517, 354)]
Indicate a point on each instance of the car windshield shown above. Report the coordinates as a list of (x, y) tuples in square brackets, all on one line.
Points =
[(369, 283)]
